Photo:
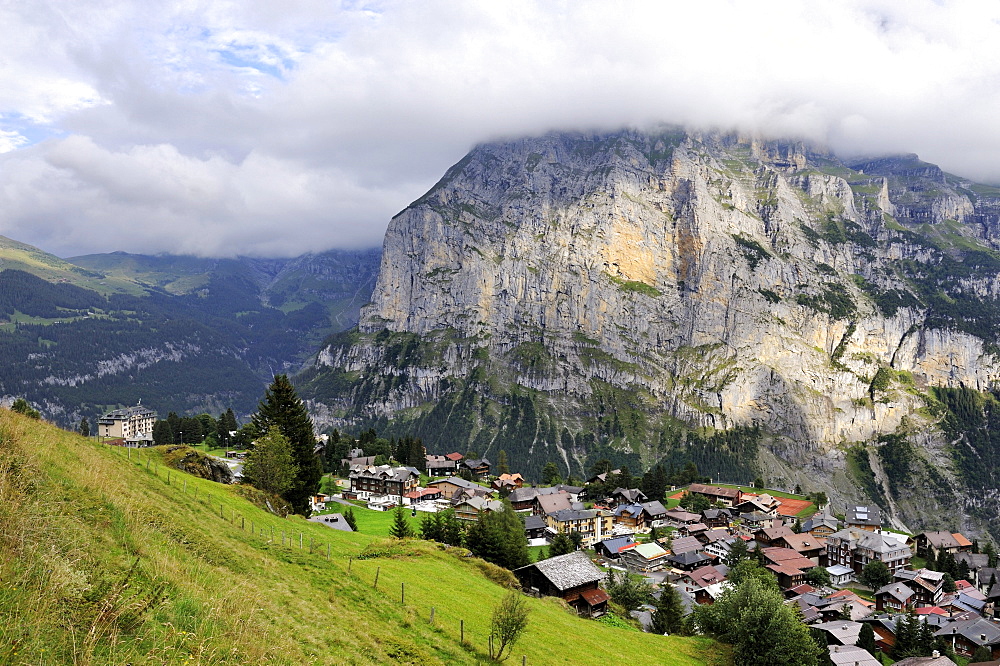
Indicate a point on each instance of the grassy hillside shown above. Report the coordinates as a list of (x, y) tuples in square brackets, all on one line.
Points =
[(107, 559), (24, 257)]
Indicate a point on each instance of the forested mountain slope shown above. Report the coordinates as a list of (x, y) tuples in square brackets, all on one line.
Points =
[(759, 307)]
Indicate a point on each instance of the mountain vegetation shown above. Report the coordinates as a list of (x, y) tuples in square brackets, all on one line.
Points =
[(109, 556)]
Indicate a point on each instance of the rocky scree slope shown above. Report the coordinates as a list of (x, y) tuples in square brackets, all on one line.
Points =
[(759, 307)]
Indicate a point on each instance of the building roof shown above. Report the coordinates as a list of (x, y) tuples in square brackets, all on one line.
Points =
[(898, 591), (633, 495), (654, 508), (615, 544), (803, 542), (631, 509), (882, 543), (550, 504), (595, 597), (566, 515), (457, 481), (649, 551), (864, 515), (822, 519), (926, 661), (839, 570), (568, 571), (125, 413), (844, 631), (772, 533), (851, 655), (706, 575), (714, 491), (454, 456), (682, 516), (688, 558), (685, 544), (940, 539)]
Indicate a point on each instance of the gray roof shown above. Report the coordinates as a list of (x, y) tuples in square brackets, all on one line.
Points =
[(534, 523), (843, 631), (973, 630), (613, 544), (864, 515), (851, 655), (574, 514), (690, 557), (898, 591), (654, 508), (458, 481), (568, 571), (685, 544), (926, 661)]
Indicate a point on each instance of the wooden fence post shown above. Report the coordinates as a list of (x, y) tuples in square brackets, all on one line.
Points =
[(402, 593), (461, 625), (377, 571)]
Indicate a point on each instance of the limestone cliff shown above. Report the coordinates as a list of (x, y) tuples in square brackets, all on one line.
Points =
[(637, 294)]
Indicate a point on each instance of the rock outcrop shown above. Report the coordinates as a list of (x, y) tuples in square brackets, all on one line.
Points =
[(575, 295)]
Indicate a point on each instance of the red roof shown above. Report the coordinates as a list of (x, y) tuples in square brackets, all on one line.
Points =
[(930, 610), (454, 456), (962, 541), (962, 585), (594, 597), (803, 588)]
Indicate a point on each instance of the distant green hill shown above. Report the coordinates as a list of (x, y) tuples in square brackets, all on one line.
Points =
[(111, 559), (24, 257)]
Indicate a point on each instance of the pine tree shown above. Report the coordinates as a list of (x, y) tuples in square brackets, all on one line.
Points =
[(282, 407), (350, 519), (85, 427), (669, 615), (22, 406), (502, 466), (550, 474), (866, 638), (561, 545), (738, 552), (400, 527), (162, 433), (498, 537)]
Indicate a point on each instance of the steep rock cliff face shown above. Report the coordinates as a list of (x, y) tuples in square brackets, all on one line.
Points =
[(577, 295)]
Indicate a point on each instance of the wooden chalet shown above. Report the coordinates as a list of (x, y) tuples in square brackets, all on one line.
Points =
[(572, 577)]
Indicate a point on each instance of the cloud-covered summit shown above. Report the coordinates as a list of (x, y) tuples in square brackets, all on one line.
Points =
[(221, 128)]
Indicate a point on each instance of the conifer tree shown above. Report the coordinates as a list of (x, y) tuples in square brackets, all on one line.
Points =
[(866, 638), (400, 527), (669, 615), (85, 427), (282, 407), (270, 466)]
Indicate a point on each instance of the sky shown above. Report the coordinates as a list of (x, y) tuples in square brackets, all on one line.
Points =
[(273, 129)]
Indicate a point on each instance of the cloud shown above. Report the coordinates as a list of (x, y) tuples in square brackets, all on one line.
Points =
[(221, 128)]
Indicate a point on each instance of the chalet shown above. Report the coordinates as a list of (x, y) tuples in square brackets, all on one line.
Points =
[(133, 424), (553, 502), (479, 468), (720, 547), (751, 523), (454, 486), (628, 496), (535, 528), (604, 476), (572, 577), (712, 535), (941, 542), (823, 523), (508, 481), (786, 557), (630, 515), (700, 578), (855, 548), (767, 537), (966, 636), (695, 530), (654, 513), (678, 517), (765, 504), (523, 498), (894, 597), (383, 480), (717, 517), (643, 557), (683, 544), (805, 545), (867, 518), (688, 561), (927, 585), (611, 548), (728, 496), (439, 466), (935, 660), (470, 508)]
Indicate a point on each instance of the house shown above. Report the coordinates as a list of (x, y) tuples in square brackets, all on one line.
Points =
[(535, 528), (682, 544), (854, 547), (654, 513), (688, 561), (508, 481), (133, 424), (572, 577), (383, 480), (678, 517), (551, 503), (469, 509), (695, 530), (720, 547), (452, 486), (628, 496), (762, 503), (728, 496), (700, 578), (439, 466), (806, 545), (603, 477), (751, 523), (823, 523), (630, 515), (867, 518), (611, 548), (788, 566), (941, 542), (934, 660), (592, 524), (840, 575), (927, 585), (894, 597), (422, 495), (643, 557), (717, 517), (767, 537), (966, 636), (851, 655), (479, 468)]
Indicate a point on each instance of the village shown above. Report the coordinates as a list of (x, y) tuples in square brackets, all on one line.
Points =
[(841, 571), (821, 560)]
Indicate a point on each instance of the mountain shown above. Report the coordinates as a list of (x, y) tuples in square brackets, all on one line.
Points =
[(758, 307), (149, 565), (183, 334)]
